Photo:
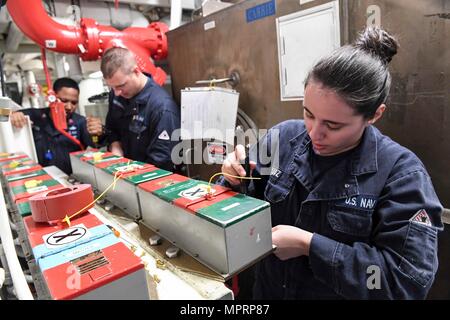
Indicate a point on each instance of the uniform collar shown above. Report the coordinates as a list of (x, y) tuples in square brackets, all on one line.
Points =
[(365, 157), (342, 181), (144, 95)]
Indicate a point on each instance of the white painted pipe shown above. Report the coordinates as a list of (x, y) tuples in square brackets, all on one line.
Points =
[(20, 283), (2, 277), (176, 11)]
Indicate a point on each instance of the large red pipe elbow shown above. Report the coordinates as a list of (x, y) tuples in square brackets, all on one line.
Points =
[(90, 39)]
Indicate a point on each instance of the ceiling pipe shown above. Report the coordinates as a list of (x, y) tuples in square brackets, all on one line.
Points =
[(90, 40), (14, 38), (176, 13)]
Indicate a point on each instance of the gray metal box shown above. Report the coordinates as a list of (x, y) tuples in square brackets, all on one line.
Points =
[(124, 195), (227, 234), (83, 165), (81, 169)]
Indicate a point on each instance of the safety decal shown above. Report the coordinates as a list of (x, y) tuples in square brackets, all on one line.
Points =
[(196, 192), (164, 135), (66, 236), (421, 217)]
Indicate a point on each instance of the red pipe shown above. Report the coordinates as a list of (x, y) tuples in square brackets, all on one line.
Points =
[(90, 39)]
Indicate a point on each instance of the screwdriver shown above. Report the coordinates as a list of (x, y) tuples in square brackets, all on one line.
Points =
[(246, 165)]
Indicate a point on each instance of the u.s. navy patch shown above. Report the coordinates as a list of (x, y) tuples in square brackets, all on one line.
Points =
[(421, 217), (73, 131), (361, 201)]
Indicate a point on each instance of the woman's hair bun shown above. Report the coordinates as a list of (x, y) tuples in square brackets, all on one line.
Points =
[(377, 42)]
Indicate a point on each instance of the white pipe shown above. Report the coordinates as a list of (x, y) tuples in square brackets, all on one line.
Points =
[(12, 226), (29, 278), (176, 11), (18, 278), (2, 277), (15, 37)]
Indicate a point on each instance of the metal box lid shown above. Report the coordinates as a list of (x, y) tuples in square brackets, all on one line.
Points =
[(163, 182), (125, 166), (28, 187), (23, 206), (23, 169), (6, 157), (231, 210), (20, 176), (83, 153), (109, 162), (107, 157), (146, 174), (12, 163), (47, 239)]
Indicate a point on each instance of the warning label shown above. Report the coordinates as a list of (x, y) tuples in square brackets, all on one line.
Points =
[(66, 236)]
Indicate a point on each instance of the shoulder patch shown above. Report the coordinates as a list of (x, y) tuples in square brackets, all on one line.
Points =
[(164, 135), (421, 217)]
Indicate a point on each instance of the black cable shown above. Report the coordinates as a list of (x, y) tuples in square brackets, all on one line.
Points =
[(2, 3), (1, 76)]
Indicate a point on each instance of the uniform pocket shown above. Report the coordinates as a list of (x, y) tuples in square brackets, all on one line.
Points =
[(278, 188), (419, 259), (350, 221), (137, 127)]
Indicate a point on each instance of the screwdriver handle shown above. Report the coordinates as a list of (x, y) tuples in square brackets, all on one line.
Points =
[(245, 182)]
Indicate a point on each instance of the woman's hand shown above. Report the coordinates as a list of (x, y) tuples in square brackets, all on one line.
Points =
[(233, 165), (291, 241)]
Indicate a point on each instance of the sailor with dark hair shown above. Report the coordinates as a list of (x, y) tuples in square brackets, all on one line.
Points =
[(354, 214), (61, 83), (52, 147)]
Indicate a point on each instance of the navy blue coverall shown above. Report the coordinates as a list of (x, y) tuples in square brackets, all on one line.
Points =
[(52, 147), (144, 125), (373, 213)]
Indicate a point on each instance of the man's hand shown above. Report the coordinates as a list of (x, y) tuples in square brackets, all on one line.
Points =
[(291, 241), (116, 149), (232, 165), (94, 126), (18, 119)]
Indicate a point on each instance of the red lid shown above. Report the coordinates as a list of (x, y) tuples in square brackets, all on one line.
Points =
[(37, 230), (111, 263), (163, 182), (208, 201)]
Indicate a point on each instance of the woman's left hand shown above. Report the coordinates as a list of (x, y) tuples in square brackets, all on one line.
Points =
[(291, 242)]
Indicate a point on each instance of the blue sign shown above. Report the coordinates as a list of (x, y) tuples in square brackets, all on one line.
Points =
[(261, 11)]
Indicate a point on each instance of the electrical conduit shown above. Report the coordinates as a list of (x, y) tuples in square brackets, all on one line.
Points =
[(19, 281)]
